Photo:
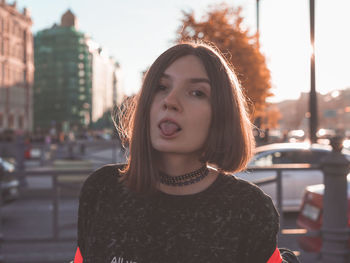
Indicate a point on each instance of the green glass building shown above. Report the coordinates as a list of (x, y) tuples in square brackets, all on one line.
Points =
[(62, 80)]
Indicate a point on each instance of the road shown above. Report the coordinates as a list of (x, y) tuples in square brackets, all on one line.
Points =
[(32, 219)]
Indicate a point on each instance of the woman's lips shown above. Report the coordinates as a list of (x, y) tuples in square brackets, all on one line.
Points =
[(169, 128)]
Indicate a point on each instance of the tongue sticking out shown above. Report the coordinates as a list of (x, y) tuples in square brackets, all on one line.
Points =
[(169, 128)]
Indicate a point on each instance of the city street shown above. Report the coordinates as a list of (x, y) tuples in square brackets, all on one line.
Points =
[(31, 217), (256, 88)]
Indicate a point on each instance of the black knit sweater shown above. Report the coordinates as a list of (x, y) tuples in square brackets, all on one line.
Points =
[(231, 221)]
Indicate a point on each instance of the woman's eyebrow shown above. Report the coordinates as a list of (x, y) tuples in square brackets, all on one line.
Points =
[(191, 80), (199, 80), (165, 76)]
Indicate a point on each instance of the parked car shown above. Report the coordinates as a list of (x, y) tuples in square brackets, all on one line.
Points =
[(310, 216), (9, 185), (33, 150), (346, 144), (296, 136), (293, 181), (326, 133)]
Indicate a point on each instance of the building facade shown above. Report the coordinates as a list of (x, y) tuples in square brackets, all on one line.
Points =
[(62, 86), (75, 80), (105, 86), (16, 69), (333, 111)]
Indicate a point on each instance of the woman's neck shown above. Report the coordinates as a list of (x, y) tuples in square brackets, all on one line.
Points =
[(174, 164)]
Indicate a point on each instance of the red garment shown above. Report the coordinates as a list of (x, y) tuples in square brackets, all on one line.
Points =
[(275, 258), (78, 258)]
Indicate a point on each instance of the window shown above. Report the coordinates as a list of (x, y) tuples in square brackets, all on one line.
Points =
[(1, 120), (262, 160), (11, 120), (81, 73), (5, 47), (20, 122), (317, 156), (271, 158), (6, 25), (24, 74)]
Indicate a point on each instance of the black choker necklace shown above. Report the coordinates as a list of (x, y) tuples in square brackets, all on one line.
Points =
[(185, 179)]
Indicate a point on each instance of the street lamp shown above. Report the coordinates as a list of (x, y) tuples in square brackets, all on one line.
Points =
[(257, 19), (313, 121)]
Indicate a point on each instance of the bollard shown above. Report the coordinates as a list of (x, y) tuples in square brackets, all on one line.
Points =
[(70, 150), (20, 165), (82, 148), (1, 234), (335, 231)]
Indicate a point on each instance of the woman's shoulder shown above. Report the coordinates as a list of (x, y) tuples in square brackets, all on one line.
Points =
[(102, 178), (106, 171), (249, 195), (256, 203), (237, 185)]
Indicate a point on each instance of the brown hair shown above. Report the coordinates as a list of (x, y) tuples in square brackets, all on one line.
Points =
[(230, 140)]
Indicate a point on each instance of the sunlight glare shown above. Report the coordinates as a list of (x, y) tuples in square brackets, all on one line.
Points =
[(310, 50), (346, 144), (335, 94)]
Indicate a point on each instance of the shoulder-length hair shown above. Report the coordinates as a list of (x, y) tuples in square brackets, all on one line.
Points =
[(230, 140)]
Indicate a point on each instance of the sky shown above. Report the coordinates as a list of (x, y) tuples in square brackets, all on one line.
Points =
[(136, 32)]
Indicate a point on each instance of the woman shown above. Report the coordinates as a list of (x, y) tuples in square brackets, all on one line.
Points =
[(174, 201)]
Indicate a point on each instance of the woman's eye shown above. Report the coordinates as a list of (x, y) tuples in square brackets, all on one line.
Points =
[(161, 87), (197, 93)]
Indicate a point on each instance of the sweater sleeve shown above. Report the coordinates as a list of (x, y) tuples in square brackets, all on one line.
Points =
[(93, 189), (261, 225), (87, 202)]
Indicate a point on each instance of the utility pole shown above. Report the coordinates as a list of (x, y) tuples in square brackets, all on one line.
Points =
[(257, 19), (313, 120), (258, 120)]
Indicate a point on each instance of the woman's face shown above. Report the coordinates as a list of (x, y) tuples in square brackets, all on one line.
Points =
[(181, 112)]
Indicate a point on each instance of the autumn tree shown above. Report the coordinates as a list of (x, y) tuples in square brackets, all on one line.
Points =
[(272, 117), (223, 26)]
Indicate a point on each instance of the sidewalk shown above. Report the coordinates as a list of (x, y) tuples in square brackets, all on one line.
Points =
[(40, 253), (29, 220)]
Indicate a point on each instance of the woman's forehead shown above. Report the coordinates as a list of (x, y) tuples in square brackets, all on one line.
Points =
[(189, 66)]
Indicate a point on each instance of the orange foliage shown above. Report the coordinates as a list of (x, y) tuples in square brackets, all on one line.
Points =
[(272, 117), (222, 25)]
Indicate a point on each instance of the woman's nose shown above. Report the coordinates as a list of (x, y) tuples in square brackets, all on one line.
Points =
[(171, 101)]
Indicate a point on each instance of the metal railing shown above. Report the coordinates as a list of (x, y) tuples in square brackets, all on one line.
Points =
[(55, 197), (57, 186), (277, 179), (48, 152)]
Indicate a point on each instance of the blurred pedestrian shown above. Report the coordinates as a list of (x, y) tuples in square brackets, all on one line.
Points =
[(176, 199)]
